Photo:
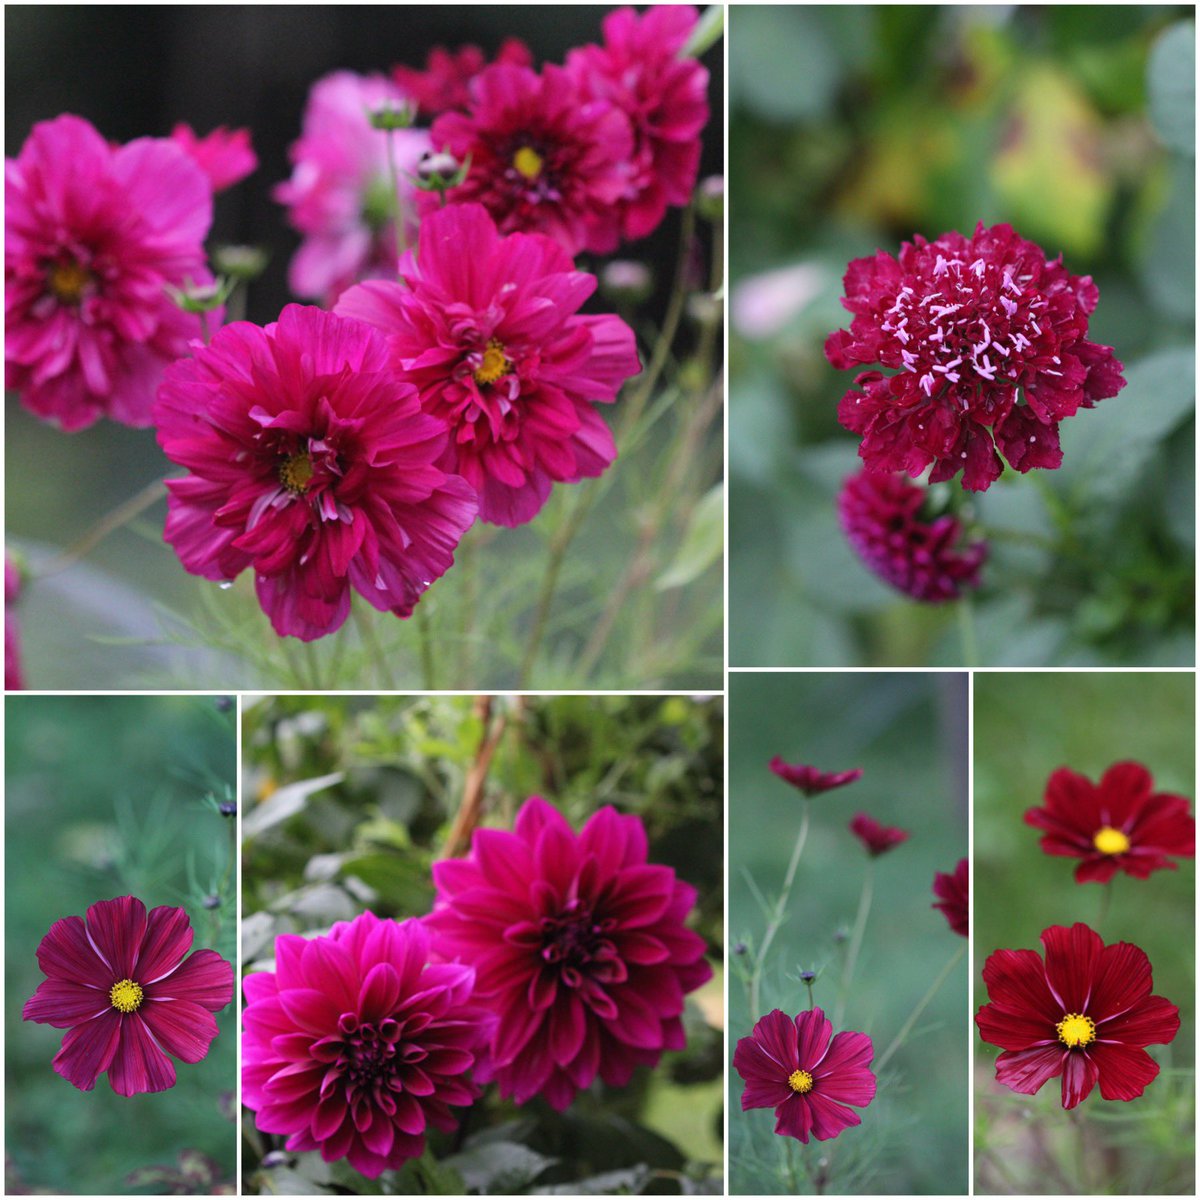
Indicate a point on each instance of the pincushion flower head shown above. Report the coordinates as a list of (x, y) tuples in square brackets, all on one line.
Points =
[(1118, 824), (311, 464), (878, 839), (356, 1044), (580, 948), (927, 560), (952, 889), (808, 1076), (811, 781), (486, 327), (93, 235), (986, 339), (121, 986), (1084, 1014), (442, 85)]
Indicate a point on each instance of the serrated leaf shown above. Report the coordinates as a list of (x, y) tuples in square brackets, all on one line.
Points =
[(285, 803), (1171, 86), (703, 541)]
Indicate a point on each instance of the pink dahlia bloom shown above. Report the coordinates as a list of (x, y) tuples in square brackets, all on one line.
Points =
[(225, 156), (311, 463), (987, 339), (121, 986), (355, 1044), (92, 234), (339, 197), (544, 157), (579, 945), (811, 781), (665, 97), (880, 515), (878, 839), (487, 329), (14, 677), (442, 86)]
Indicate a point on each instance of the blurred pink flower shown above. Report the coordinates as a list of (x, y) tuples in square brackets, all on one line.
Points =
[(14, 677), (762, 305), (442, 85), (225, 156)]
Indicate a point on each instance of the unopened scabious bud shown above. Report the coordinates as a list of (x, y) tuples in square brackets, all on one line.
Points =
[(242, 263), (626, 281), (211, 902), (393, 116), (710, 198), (200, 297), (439, 171), (807, 976), (739, 948), (229, 808)]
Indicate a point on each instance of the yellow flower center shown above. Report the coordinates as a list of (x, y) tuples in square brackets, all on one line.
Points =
[(495, 365), (528, 162), (1076, 1030), (1110, 841), (295, 473), (67, 280), (126, 996), (800, 1081)]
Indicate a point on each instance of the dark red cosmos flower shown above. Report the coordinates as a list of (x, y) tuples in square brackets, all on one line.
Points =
[(953, 896), (579, 945), (811, 781), (878, 839), (442, 86), (880, 514), (793, 1067), (120, 985), (1118, 824), (988, 342), (1085, 1014)]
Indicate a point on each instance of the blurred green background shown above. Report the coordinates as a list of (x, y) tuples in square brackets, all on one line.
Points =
[(854, 127), (1025, 727), (909, 734), (110, 796), (349, 802)]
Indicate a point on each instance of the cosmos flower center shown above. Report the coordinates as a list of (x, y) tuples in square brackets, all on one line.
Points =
[(296, 472), (1110, 841), (1075, 1029), (801, 1082), (527, 162), (494, 365), (126, 996), (67, 280)]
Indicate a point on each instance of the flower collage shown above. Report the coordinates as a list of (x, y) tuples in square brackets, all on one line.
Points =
[(526, 676)]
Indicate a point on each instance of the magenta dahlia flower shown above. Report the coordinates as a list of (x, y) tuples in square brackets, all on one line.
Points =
[(339, 196), (311, 463), (880, 515), (121, 986), (580, 948), (355, 1044), (14, 677), (878, 839), (665, 96), (92, 235), (795, 1068), (811, 781), (544, 157), (487, 329), (442, 85), (953, 892), (987, 339), (225, 156)]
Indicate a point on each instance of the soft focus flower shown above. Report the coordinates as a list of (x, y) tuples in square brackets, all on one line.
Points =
[(92, 233), (953, 896), (811, 781), (442, 86), (762, 305), (544, 158), (665, 97), (355, 1044), (878, 839), (225, 156), (340, 195), (121, 986), (14, 677), (311, 463), (1085, 1014), (486, 328), (1118, 824), (968, 325), (793, 1067), (880, 515), (580, 948)]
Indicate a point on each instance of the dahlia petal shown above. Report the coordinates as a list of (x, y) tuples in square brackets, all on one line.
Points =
[(167, 939), (568, 1027), (378, 995), (1124, 1071), (1072, 957), (139, 1065), (181, 1027), (1025, 1071), (327, 968), (88, 1049), (1079, 1076), (329, 1116), (311, 1010), (115, 928), (66, 953), (61, 1003), (204, 978)]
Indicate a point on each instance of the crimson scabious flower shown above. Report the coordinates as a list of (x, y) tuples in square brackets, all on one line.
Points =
[(877, 838), (93, 234), (1085, 1014), (225, 156), (793, 1067), (486, 327), (311, 463), (1118, 824), (881, 517), (121, 986), (442, 86), (811, 781), (14, 677), (665, 96), (987, 339), (544, 158), (356, 1044), (952, 890), (580, 948)]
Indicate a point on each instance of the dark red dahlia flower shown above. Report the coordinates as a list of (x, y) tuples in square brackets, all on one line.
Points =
[(953, 893), (1085, 1014), (1118, 824), (121, 987), (793, 1067), (311, 463), (811, 781), (487, 329), (580, 948), (225, 156), (878, 839), (880, 515), (355, 1044), (442, 86), (988, 342)]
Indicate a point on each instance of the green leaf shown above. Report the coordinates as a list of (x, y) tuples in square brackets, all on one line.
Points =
[(629, 1182), (283, 1181), (285, 803), (702, 544), (706, 32), (1169, 268), (498, 1168), (1171, 84)]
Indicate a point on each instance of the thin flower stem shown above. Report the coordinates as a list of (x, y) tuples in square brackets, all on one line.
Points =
[(856, 938), (966, 629), (397, 203), (108, 524), (789, 1165), (809, 986), (915, 1015)]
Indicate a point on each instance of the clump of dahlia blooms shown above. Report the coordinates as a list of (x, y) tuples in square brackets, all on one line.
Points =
[(442, 85)]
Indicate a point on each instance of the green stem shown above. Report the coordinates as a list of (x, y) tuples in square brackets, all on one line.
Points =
[(108, 524), (809, 986), (789, 1165), (966, 628), (397, 203), (856, 938), (915, 1015), (370, 641), (314, 667)]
